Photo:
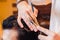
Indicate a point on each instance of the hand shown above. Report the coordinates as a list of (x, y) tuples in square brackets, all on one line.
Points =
[(50, 35), (24, 10)]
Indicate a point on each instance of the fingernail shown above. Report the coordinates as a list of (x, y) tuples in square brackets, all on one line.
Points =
[(35, 30), (31, 29), (22, 27)]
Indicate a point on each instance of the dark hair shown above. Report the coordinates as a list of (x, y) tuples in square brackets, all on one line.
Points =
[(22, 33), (8, 23), (25, 35)]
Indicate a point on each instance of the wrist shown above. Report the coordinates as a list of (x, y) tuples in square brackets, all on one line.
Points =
[(20, 1)]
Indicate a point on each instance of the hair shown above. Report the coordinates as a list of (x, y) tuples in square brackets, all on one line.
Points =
[(23, 34), (8, 23)]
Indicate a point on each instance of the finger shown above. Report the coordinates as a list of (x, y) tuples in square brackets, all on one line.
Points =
[(35, 12), (19, 22), (46, 31), (41, 37), (26, 19), (28, 24), (30, 12), (34, 27), (33, 24)]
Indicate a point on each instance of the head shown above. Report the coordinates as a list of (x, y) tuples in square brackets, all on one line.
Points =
[(20, 34), (12, 31)]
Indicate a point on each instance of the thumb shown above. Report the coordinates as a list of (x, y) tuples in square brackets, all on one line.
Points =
[(35, 12)]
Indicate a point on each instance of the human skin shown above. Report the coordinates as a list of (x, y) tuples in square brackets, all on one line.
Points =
[(23, 10), (10, 34), (50, 34)]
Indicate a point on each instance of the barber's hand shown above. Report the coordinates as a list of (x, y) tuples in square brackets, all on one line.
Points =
[(24, 10), (50, 35)]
